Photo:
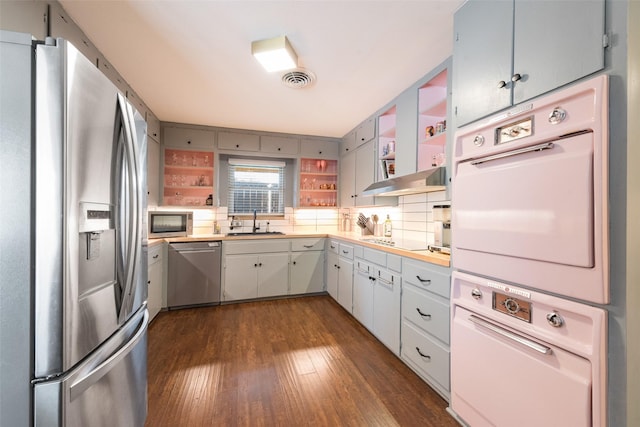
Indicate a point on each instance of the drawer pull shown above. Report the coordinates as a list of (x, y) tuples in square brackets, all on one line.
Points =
[(427, 281), (424, 356), (308, 246), (156, 256), (333, 247), (345, 252), (428, 316)]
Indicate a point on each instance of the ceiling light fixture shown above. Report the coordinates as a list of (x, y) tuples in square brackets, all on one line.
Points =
[(275, 54)]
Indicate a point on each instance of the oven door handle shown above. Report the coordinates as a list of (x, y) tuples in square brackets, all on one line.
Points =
[(510, 335), (539, 147)]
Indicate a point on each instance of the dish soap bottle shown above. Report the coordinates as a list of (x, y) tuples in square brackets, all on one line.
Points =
[(387, 227)]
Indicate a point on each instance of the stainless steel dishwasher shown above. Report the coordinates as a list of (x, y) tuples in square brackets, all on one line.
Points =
[(194, 274)]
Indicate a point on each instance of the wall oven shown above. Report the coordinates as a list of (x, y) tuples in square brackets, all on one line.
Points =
[(530, 250), (170, 224), (530, 194)]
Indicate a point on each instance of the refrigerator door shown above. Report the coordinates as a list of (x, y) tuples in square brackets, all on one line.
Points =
[(107, 389), (90, 166)]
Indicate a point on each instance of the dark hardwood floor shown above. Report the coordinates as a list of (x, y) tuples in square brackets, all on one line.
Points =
[(289, 362)]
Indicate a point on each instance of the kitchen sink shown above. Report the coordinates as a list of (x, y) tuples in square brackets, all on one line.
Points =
[(257, 233)]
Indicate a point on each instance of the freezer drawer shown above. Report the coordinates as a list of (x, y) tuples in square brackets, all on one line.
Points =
[(107, 389)]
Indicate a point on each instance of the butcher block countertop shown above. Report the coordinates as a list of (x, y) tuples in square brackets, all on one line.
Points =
[(355, 238)]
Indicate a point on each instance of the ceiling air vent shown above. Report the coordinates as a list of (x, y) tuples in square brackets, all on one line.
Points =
[(298, 78)]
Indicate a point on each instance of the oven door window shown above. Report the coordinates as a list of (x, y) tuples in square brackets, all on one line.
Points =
[(536, 205)]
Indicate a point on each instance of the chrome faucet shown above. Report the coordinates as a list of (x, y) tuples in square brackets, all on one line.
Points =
[(255, 215)]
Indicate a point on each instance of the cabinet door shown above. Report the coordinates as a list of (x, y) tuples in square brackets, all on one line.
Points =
[(544, 32), (25, 17), (273, 275), (345, 284), (154, 298), (363, 296), (331, 271), (115, 77), (63, 26), (348, 143), (321, 149), (347, 180), (279, 144), (366, 131), (365, 172), (238, 141), (186, 138), (240, 277), (482, 58), (307, 272), (153, 172), (153, 126), (386, 310)]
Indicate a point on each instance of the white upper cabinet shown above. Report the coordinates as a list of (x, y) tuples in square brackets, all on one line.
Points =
[(319, 148), (238, 141), (279, 144), (188, 138), (508, 52)]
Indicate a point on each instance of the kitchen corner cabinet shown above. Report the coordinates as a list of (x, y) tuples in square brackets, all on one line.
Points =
[(307, 266), (509, 52), (188, 177), (318, 182), (353, 180), (155, 273), (425, 322)]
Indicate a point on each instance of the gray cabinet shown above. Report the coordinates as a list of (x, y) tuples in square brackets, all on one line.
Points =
[(331, 268), (24, 17), (487, 77), (237, 141), (61, 25), (425, 322), (339, 269), (115, 77), (355, 179), (306, 274), (153, 126), (188, 138), (319, 148), (365, 132), (153, 172), (279, 144)]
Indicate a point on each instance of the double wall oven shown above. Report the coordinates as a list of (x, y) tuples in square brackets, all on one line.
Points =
[(530, 250)]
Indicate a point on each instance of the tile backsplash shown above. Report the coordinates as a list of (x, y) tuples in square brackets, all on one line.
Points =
[(412, 219)]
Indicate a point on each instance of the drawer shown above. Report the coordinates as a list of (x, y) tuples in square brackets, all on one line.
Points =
[(188, 138), (298, 245), (424, 353), (333, 246), (279, 144), (238, 141), (394, 262), (423, 276), (346, 251), (154, 255), (375, 256), (426, 311), (256, 246)]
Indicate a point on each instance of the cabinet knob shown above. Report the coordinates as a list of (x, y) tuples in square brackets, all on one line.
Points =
[(516, 77), (237, 145), (501, 84), (557, 116), (319, 152), (278, 148), (188, 142)]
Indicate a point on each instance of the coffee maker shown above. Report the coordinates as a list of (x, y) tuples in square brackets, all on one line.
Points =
[(442, 229)]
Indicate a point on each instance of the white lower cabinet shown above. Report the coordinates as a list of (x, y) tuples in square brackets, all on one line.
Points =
[(345, 277), (331, 269), (155, 274), (425, 322), (363, 285), (307, 266)]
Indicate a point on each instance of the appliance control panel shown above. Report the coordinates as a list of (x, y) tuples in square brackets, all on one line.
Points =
[(511, 306), (514, 131)]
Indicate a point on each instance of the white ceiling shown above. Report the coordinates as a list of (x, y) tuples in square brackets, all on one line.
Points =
[(191, 62)]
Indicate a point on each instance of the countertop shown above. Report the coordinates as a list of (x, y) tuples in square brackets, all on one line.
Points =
[(355, 238)]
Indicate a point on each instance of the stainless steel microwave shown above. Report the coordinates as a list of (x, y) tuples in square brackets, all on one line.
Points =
[(170, 224)]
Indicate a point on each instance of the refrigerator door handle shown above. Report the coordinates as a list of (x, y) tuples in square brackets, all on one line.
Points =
[(86, 381), (130, 209)]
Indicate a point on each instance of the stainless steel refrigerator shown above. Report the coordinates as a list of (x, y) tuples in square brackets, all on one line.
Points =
[(73, 319)]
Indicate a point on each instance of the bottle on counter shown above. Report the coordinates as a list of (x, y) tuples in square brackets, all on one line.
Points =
[(387, 227), (209, 201)]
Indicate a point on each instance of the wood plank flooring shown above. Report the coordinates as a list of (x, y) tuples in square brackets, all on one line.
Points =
[(289, 362)]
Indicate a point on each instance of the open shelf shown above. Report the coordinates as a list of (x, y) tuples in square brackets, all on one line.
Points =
[(318, 183), (187, 177)]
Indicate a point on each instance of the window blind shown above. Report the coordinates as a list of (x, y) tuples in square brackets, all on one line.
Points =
[(256, 186)]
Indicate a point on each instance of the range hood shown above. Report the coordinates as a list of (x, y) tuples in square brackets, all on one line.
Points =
[(425, 181)]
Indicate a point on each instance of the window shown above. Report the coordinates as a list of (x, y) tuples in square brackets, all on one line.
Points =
[(256, 185)]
